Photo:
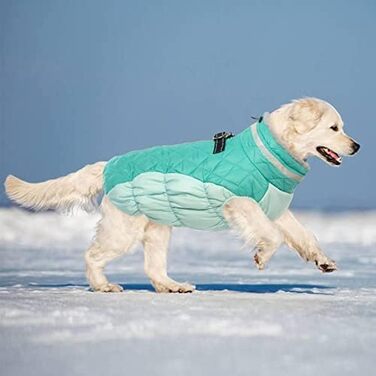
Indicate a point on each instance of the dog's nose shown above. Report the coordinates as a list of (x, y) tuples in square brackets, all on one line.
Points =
[(355, 147)]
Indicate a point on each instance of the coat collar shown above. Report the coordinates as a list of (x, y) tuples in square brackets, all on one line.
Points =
[(263, 134), (276, 162)]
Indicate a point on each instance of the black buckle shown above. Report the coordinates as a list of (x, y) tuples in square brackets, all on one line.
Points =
[(220, 141)]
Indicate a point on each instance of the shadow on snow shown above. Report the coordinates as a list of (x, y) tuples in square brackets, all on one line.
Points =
[(245, 288)]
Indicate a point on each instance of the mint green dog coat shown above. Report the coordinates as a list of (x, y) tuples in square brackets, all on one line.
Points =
[(187, 185)]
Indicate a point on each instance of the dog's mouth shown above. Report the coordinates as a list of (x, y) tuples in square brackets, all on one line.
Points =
[(329, 155)]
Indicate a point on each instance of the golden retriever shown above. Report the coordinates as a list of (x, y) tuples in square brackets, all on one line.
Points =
[(305, 127)]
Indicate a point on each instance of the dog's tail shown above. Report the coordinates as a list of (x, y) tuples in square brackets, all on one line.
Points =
[(78, 189)]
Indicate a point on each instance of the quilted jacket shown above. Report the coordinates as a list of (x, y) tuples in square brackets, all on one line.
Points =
[(187, 185)]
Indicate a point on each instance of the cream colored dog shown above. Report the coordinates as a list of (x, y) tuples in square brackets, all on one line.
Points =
[(305, 127)]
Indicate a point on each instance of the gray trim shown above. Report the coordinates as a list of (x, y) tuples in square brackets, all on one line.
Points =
[(271, 158)]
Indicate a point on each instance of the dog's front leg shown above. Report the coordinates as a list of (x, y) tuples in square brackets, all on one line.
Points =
[(304, 242), (255, 227)]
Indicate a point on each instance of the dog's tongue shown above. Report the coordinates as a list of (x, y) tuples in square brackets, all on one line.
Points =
[(332, 154)]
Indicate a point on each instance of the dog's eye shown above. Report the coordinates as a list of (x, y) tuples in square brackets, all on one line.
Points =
[(334, 128)]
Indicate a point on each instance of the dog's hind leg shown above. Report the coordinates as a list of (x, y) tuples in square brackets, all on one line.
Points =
[(116, 233), (297, 237), (155, 241), (255, 227)]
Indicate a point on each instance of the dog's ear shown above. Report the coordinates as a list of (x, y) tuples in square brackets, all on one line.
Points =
[(305, 114)]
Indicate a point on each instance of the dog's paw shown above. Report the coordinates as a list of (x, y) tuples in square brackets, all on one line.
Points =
[(109, 287), (326, 266), (260, 262), (174, 287)]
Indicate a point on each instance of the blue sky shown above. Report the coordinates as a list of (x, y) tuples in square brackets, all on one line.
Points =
[(83, 81)]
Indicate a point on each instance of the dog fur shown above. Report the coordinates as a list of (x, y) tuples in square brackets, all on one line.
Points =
[(300, 126)]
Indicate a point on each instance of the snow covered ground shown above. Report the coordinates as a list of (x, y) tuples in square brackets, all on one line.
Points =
[(287, 320)]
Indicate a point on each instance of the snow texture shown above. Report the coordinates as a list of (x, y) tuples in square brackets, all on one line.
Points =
[(287, 320)]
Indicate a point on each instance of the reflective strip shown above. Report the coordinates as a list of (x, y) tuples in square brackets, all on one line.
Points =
[(271, 158)]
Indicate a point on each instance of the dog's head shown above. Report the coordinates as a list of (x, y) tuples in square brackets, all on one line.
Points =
[(313, 127)]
